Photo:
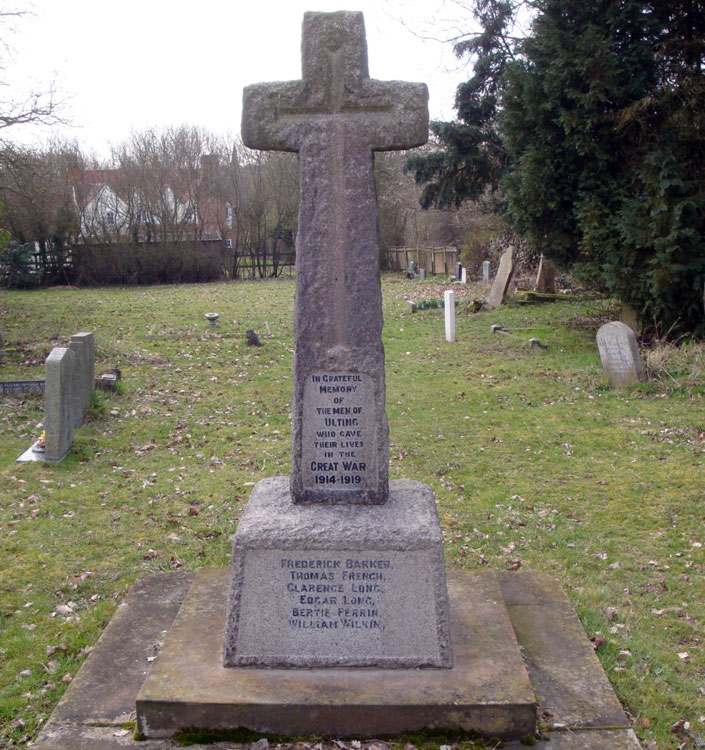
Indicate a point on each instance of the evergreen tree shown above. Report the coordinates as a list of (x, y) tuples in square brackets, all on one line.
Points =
[(600, 117)]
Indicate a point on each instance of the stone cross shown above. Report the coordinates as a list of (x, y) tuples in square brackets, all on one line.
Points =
[(335, 117)]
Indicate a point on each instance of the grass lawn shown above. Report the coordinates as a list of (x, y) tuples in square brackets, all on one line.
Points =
[(534, 462)]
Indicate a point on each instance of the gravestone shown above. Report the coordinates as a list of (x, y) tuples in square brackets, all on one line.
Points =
[(79, 384), (630, 317), (464, 275), (88, 374), (502, 279), (619, 353), (422, 274), (449, 314), (458, 270), (485, 272), (546, 277), (58, 413)]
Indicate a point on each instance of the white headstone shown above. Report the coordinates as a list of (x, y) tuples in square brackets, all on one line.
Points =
[(619, 353), (449, 305), (485, 272), (464, 275)]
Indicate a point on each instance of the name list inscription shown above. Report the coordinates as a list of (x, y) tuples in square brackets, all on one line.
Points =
[(338, 435), (335, 594)]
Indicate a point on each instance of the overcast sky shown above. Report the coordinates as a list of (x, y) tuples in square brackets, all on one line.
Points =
[(134, 64)]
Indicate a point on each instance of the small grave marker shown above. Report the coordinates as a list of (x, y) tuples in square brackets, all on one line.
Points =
[(88, 368), (449, 307), (485, 272)]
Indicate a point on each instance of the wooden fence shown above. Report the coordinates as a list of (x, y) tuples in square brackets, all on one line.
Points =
[(436, 260)]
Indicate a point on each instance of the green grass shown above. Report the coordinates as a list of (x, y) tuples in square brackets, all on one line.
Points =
[(534, 462)]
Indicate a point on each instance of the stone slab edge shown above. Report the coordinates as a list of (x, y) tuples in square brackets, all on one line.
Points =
[(567, 675), (104, 690)]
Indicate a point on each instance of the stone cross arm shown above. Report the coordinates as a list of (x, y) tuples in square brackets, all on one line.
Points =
[(334, 91), (394, 115)]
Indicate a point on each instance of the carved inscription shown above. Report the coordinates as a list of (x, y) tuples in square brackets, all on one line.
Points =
[(335, 594), (618, 355), (338, 450)]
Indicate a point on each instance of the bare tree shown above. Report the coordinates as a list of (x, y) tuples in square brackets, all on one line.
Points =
[(19, 107)]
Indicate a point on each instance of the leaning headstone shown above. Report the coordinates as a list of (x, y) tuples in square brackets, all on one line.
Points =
[(630, 317), (58, 416), (619, 353), (449, 308), (502, 279), (88, 374), (546, 277), (485, 272)]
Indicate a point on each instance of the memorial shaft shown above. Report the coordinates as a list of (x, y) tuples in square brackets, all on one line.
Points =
[(335, 118)]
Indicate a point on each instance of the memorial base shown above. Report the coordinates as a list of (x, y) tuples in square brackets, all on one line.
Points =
[(575, 700), (487, 691), (338, 585)]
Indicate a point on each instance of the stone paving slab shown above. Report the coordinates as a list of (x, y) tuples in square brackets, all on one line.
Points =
[(151, 606), (573, 688)]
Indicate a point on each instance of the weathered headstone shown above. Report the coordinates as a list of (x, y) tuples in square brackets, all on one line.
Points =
[(502, 279), (546, 277), (58, 416), (464, 275), (422, 274), (449, 314), (485, 272), (411, 269), (458, 270), (619, 353), (335, 118), (88, 374), (79, 383)]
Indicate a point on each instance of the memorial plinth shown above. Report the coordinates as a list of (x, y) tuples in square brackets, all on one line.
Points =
[(338, 585)]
